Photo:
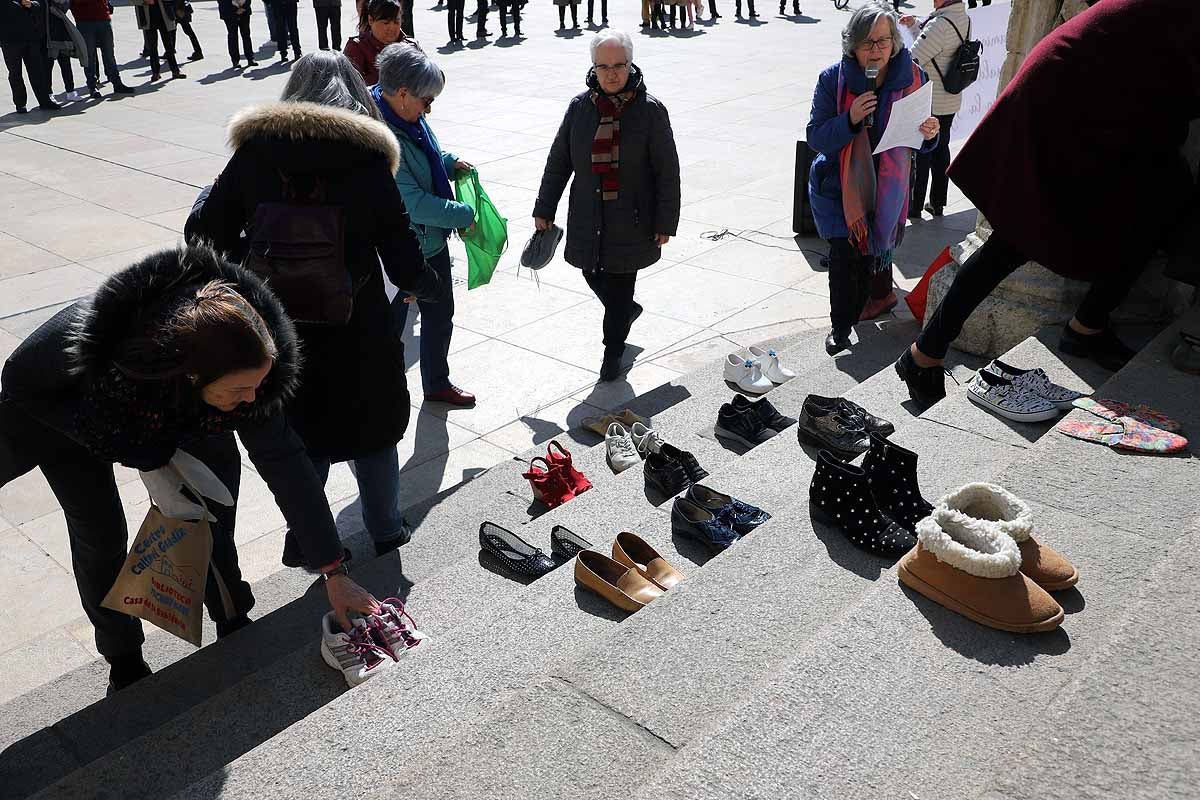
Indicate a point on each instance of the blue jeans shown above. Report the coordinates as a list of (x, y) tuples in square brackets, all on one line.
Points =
[(437, 326), (99, 34), (378, 477)]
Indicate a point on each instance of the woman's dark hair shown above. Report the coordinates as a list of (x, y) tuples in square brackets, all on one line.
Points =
[(206, 333), (380, 11)]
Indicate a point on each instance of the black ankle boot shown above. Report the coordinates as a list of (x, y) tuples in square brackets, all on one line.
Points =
[(840, 496), (892, 472), (235, 624), (926, 385), (837, 341), (125, 671)]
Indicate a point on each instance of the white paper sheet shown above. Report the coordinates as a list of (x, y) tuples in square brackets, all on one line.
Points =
[(905, 121)]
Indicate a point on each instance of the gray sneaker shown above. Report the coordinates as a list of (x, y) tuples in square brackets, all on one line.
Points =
[(540, 248)]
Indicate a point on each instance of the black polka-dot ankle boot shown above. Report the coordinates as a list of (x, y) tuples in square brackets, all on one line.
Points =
[(892, 472), (840, 496)]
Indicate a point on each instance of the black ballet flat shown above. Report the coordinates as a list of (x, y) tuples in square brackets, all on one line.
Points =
[(516, 554)]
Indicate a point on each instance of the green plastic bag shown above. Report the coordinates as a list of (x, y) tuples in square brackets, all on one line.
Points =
[(488, 238)]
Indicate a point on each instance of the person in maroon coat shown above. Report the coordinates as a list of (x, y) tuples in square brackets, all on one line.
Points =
[(1077, 167), (379, 27)]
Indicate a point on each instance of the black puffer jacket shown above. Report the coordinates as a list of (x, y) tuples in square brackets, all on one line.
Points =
[(354, 398), (616, 235), (65, 376)]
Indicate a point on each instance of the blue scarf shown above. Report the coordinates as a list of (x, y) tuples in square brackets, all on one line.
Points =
[(419, 132)]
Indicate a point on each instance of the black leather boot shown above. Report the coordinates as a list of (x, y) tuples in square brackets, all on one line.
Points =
[(840, 496), (892, 472)]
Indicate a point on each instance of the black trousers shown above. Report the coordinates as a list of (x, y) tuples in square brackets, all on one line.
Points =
[(481, 12), (37, 65), (329, 24), (87, 491), (233, 27), (749, 7), (454, 17), (286, 27), (603, 10), (151, 36), (513, 7), (191, 34), (982, 273), (68, 74), (936, 162), (849, 283), (615, 293), (562, 15), (712, 9)]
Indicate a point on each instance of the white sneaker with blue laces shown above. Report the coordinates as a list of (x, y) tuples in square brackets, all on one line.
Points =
[(775, 372), (746, 374)]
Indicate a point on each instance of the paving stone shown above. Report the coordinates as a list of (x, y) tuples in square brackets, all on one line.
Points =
[(30, 664), (45, 288), (699, 296)]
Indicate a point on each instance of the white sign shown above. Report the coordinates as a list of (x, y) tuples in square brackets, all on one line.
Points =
[(905, 119), (989, 24)]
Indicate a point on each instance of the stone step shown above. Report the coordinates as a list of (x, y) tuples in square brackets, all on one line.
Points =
[(443, 599), (693, 655)]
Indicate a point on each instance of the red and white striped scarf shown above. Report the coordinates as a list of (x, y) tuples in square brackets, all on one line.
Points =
[(606, 145)]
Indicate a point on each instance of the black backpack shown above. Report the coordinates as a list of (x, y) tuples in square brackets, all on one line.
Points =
[(963, 69), (298, 247)]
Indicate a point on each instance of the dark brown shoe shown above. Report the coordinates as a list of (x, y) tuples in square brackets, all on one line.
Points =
[(452, 395)]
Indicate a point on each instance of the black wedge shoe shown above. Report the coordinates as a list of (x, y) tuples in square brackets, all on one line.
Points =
[(565, 544), (840, 496), (892, 472), (514, 553)]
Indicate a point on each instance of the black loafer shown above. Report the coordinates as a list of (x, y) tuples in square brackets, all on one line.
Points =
[(742, 516), (851, 411), (691, 521), (766, 412), (514, 552), (828, 429), (666, 474), (690, 465), (566, 544), (744, 427)]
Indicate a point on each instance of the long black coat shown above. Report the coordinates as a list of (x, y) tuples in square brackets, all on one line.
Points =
[(353, 400), (65, 376), (20, 24), (614, 236)]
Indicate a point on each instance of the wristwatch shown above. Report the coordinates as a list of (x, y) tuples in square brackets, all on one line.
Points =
[(341, 569)]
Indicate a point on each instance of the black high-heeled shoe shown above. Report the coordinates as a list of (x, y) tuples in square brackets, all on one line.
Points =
[(513, 552)]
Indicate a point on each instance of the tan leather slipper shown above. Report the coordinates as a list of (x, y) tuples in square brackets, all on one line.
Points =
[(634, 551), (621, 585)]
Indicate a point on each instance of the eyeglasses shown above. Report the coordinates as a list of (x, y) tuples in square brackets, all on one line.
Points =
[(882, 43), (427, 101), (612, 68)]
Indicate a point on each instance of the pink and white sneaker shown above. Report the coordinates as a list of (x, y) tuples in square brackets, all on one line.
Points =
[(395, 629), (356, 654)]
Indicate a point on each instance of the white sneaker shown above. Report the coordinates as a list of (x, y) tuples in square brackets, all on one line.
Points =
[(746, 374), (356, 654), (775, 372), (395, 628), (74, 95), (1008, 399), (620, 451), (645, 440)]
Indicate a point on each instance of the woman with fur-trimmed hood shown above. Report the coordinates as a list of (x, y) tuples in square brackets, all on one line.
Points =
[(156, 371), (353, 404)]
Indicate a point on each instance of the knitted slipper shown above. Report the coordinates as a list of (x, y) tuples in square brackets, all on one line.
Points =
[(1112, 410), (972, 568), (1012, 516), (1124, 434)]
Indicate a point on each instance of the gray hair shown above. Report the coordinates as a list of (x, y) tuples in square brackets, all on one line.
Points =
[(610, 35), (404, 65), (327, 77), (862, 21)]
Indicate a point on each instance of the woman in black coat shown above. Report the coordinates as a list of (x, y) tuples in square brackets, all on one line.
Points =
[(174, 353), (617, 142), (353, 404)]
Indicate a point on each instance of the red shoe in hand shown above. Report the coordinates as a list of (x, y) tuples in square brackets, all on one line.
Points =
[(559, 456), (452, 395), (550, 484)]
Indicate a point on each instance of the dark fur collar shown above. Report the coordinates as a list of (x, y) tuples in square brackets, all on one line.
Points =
[(296, 121), (108, 317)]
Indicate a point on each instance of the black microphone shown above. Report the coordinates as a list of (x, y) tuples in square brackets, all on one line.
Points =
[(872, 74)]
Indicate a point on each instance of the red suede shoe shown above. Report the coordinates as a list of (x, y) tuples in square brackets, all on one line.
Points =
[(560, 457), (452, 395), (550, 484)]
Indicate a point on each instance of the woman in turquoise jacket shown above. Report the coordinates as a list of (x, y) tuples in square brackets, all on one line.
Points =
[(408, 83)]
